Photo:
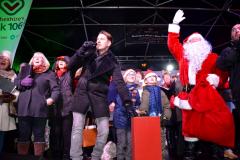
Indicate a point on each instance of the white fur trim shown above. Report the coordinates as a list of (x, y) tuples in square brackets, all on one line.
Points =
[(176, 101), (90, 127), (183, 104), (213, 79), (173, 28), (192, 74), (151, 74), (195, 36), (191, 139)]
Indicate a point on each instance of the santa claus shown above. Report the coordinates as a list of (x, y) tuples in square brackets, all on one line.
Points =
[(205, 114)]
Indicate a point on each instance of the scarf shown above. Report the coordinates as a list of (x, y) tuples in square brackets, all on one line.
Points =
[(60, 73), (133, 93), (7, 74), (40, 69), (155, 101)]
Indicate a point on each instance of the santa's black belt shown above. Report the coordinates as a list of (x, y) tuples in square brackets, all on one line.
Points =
[(187, 88)]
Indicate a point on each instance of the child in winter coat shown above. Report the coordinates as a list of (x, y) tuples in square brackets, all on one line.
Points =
[(155, 103), (121, 117)]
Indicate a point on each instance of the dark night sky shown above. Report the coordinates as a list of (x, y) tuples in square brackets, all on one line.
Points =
[(56, 27)]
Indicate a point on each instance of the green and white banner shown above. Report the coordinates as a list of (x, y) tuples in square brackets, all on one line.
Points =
[(13, 16)]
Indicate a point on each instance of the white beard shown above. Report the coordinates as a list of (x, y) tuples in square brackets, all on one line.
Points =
[(196, 53)]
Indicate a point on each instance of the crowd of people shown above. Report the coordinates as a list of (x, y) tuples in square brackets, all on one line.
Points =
[(199, 108)]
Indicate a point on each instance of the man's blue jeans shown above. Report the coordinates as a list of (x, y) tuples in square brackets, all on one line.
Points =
[(76, 138)]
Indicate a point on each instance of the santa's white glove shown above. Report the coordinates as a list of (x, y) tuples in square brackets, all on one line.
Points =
[(181, 101), (178, 17), (176, 101), (213, 79), (182, 104)]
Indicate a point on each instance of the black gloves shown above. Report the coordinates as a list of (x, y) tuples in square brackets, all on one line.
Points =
[(131, 111), (87, 45)]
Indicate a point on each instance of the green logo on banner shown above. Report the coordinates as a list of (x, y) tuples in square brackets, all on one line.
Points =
[(11, 7)]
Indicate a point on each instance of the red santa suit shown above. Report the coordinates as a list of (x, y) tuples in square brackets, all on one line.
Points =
[(208, 117)]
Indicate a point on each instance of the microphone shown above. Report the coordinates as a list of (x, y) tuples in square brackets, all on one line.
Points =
[(87, 48), (90, 44)]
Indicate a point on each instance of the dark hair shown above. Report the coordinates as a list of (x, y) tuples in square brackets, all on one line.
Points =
[(107, 34), (165, 73)]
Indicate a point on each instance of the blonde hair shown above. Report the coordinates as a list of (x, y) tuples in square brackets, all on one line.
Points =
[(45, 64)]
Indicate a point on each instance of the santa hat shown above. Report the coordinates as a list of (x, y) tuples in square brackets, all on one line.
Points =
[(181, 101), (6, 54), (127, 72), (151, 74), (195, 37)]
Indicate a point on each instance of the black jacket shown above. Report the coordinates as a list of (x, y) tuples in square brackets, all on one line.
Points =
[(229, 60), (92, 87), (64, 103)]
